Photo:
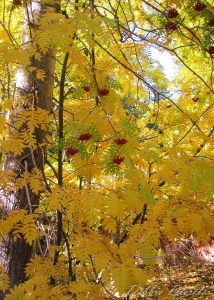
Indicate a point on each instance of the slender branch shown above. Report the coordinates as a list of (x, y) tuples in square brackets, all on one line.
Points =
[(202, 145), (52, 168), (60, 160), (70, 271), (61, 103), (140, 215)]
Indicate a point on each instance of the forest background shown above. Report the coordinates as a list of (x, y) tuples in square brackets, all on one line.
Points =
[(106, 163)]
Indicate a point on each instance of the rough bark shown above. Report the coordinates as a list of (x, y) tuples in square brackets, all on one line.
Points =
[(15, 255)]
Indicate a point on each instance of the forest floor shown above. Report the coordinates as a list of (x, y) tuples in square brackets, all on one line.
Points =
[(194, 280), (178, 278)]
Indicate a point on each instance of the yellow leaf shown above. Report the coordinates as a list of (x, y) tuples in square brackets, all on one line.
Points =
[(109, 224), (2, 121), (4, 281)]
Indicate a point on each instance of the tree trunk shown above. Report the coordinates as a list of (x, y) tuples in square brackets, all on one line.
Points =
[(37, 94)]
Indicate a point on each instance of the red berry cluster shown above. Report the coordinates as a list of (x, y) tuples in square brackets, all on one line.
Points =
[(17, 2), (174, 220), (104, 92), (120, 142), (86, 88), (211, 22), (85, 137), (199, 6), (170, 26), (172, 13), (195, 99), (117, 160), (211, 50), (71, 151)]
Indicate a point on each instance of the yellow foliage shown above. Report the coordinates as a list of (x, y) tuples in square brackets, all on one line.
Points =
[(122, 159), (4, 279)]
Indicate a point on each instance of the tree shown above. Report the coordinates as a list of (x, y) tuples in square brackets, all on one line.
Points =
[(31, 106), (103, 156)]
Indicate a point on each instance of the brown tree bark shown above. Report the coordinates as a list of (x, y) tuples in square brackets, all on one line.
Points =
[(15, 255)]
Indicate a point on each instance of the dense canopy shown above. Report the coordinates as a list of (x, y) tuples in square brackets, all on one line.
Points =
[(105, 160)]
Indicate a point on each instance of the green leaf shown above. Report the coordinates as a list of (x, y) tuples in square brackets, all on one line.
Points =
[(109, 22), (207, 14), (147, 195)]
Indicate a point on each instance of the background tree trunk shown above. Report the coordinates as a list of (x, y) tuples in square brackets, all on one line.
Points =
[(15, 255)]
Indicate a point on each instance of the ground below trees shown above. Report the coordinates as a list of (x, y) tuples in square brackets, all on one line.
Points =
[(180, 278)]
